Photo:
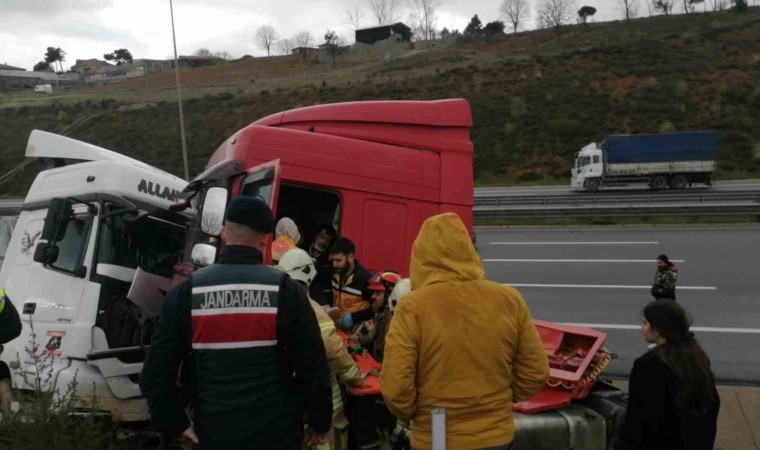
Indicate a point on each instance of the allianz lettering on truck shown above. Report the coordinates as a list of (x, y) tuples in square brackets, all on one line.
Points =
[(666, 160)]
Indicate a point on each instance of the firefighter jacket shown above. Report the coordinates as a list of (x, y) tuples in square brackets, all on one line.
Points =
[(461, 343), (253, 354), (343, 366)]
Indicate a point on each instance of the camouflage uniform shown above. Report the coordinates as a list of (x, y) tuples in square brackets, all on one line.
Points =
[(665, 283)]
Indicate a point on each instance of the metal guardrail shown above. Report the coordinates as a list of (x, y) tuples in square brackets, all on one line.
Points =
[(708, 209), (601, 199)]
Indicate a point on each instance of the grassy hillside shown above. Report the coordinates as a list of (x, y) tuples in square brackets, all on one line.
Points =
[(537, 97)]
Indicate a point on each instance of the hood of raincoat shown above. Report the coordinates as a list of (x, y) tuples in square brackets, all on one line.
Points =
[(444, 252)]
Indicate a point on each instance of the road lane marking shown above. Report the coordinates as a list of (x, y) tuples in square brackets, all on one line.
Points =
[(581, 260), (608, 286), (578, 243), (611, 326)]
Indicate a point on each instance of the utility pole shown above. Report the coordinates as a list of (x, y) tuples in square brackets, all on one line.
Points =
[(179, 98)]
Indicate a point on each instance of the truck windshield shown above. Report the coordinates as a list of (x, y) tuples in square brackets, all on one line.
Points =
[(153, 244)]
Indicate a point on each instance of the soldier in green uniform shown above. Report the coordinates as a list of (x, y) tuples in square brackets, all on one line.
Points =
[(251, 345)]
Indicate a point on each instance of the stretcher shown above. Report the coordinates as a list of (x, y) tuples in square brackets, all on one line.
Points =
[(368, 366)]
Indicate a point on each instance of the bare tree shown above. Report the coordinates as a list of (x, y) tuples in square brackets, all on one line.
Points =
[(384, 11), (663, 6), (690, 6), (424, 17), (516, 12), (203, 52), (265, 37), (303, 39), (555, 13), (630, 8), (718, 5), (353, 14), (285, 46), (223, 55), (211, 223)]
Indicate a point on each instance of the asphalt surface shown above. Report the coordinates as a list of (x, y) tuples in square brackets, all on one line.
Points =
[(604, 277), (719, 186)]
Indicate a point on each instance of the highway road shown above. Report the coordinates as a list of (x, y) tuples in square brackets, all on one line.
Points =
[(603, 276)]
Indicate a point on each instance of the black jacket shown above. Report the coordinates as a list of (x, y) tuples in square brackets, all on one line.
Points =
[(10, 323), (320, 289), (653, 421), (275, 420)]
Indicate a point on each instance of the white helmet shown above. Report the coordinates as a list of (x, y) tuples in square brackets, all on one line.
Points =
[(299, 265), (402, 288)]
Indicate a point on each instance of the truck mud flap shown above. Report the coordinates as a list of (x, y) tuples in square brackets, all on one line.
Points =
[(573, 427)]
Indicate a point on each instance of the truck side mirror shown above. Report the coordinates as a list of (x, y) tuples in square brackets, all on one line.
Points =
[(46, 253), (212, 217), (203, 255), (59, 214)]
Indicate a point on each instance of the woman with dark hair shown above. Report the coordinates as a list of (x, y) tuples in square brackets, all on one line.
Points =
[(673, 403), (665, 279)]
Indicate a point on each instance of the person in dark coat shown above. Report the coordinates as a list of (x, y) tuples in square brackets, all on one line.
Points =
[(320, 289), (673, 403), (665, 279), (251, 346), (10, 323)]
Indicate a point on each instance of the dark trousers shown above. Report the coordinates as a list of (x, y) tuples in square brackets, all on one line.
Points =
[(367, 417)]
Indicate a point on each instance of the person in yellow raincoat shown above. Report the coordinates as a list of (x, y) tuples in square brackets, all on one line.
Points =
[(461, 343), (300, 266)]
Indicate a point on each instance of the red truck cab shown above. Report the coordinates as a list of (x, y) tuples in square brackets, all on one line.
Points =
[(376, 170)]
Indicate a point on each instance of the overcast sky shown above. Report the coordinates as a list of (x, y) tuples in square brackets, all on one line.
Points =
[(89, 28)]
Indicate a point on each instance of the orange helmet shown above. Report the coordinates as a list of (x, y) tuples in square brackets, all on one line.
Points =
[(375, 282)]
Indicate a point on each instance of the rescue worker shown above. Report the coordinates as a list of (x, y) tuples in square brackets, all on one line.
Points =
[(461, 343), (10, 329), (350, 295), (370, 418), (299, 265), (251, 345), (287, 237), (371, 334), (665, 279), (321, 287)]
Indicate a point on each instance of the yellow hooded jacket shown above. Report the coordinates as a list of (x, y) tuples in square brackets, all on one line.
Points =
[(461, 343)]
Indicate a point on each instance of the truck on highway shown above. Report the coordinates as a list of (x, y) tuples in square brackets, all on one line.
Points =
[(102, 237), (665, 160)]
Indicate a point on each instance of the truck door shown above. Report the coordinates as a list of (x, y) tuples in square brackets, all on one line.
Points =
[(263, 182)]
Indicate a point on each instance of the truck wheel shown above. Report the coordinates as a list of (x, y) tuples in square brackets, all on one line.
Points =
[(592, 184), (679, 182), (659, 182)]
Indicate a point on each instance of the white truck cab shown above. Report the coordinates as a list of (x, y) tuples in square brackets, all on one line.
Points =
[(88, 265), (589, 168)]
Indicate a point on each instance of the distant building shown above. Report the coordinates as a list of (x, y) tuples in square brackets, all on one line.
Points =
[(397, 31), (7, 67), (197, 61), (302, 50), (88, 66), (21, 79)]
